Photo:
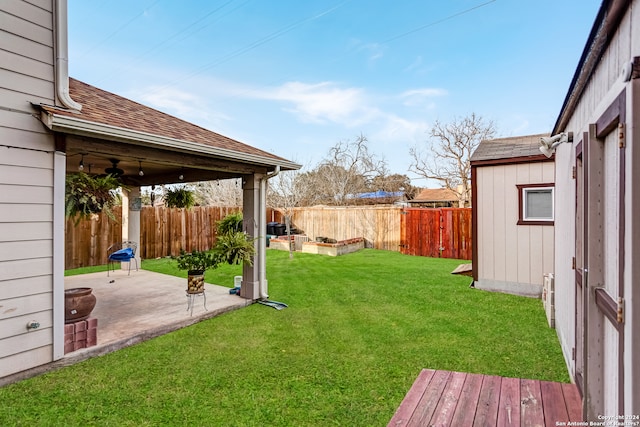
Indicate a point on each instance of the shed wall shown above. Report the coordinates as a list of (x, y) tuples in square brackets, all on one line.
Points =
[(26, 185), (605, 84), (511, 258)]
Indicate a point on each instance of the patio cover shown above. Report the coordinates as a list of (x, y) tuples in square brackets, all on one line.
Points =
[(110, 127)]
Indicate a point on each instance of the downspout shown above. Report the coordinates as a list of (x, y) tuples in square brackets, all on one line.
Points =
[(61, 81), (262, 231), (62, 57)]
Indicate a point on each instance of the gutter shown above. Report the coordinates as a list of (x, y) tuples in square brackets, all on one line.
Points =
[(77, 126), (62, 57)]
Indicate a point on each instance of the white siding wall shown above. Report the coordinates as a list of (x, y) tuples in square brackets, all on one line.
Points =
[(604, 86), (26, 185), (511, 257)]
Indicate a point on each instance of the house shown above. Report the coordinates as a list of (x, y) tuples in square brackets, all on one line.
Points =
[(49, 125), (435, 198), (512, 185), (597, 200)]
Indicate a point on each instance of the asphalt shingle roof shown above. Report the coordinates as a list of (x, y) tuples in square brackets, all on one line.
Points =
[(508, 148), (108, 108), (436, 195)]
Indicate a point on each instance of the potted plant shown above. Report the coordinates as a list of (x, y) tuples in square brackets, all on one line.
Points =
[(230, 224), (196, 263), (232, 247), (235, 248), (86, 195), (180, 197)]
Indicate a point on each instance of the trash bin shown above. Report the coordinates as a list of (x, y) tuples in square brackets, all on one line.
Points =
[(271, 228), (280, 229)]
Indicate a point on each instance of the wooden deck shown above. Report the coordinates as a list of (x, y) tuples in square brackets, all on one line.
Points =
[(443, 398)]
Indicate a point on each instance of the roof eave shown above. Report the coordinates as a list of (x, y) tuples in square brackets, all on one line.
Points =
[(76, 126), (511, 160), (605, 24)]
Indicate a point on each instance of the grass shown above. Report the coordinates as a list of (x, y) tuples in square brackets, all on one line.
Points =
[(357, 332), (85, 270)]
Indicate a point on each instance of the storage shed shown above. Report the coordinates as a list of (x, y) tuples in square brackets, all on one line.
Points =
[(512, 185), (597, 243)]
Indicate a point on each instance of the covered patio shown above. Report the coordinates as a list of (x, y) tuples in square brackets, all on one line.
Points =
[(143, 305), (134, 308)]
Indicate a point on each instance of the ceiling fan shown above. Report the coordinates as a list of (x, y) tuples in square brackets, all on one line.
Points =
[(114, 169)]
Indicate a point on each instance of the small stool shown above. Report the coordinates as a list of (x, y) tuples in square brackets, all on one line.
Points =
[(191, 300)]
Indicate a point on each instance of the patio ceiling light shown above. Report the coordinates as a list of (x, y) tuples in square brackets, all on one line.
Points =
[(140, 171), (81, 165)]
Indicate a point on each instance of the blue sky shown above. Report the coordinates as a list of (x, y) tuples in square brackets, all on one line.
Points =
[(296, 77)]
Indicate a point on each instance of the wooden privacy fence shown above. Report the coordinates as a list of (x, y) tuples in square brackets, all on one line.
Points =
[(164, 231), (87, 241), (379, 226), (439, 233), (442, 232)]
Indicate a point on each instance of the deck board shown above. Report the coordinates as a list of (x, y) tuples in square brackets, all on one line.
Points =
[(531, 411), (574, 403), (443, 398), (487, 409), (447, 405), (410, 402), (427, 405), (463, 416), (509, 408), (553, 403)]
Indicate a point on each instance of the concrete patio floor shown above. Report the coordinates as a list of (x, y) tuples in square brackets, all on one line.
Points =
[(136, 307)]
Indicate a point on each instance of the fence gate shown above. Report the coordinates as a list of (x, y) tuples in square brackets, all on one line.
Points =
[(438, 233)]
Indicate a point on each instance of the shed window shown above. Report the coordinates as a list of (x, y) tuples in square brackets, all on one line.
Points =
[(535, 204)]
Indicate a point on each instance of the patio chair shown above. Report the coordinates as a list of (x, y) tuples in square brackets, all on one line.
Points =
[(124, 251)]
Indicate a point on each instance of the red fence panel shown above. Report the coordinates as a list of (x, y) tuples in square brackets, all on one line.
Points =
[(438, 233)]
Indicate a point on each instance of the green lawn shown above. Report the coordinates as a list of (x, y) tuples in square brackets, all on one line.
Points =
[(357, 332)]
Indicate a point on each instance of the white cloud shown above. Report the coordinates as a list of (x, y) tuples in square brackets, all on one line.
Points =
[(422, 97), (374, 51), (322, 102)]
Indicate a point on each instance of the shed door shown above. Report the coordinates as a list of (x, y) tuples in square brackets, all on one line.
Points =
[(603, 251)]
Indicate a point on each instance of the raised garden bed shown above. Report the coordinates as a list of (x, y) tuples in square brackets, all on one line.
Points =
[(334, 249), (282, 242)]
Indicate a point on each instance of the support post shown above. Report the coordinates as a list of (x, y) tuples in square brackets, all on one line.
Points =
[(133, 233), (251, 221)]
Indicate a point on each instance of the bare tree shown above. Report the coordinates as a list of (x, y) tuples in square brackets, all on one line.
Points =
[(450, 151), (284, 194), (347, 170), (394, 183), (227, 192)]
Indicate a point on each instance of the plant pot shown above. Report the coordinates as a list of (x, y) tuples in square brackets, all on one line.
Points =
[(195, 281), (78, 304)]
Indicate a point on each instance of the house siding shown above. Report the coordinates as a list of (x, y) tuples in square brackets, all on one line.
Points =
[(26, 185), (511, 258), (605, 85)]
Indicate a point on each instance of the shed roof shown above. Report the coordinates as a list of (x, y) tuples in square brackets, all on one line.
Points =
[(525, 147)]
